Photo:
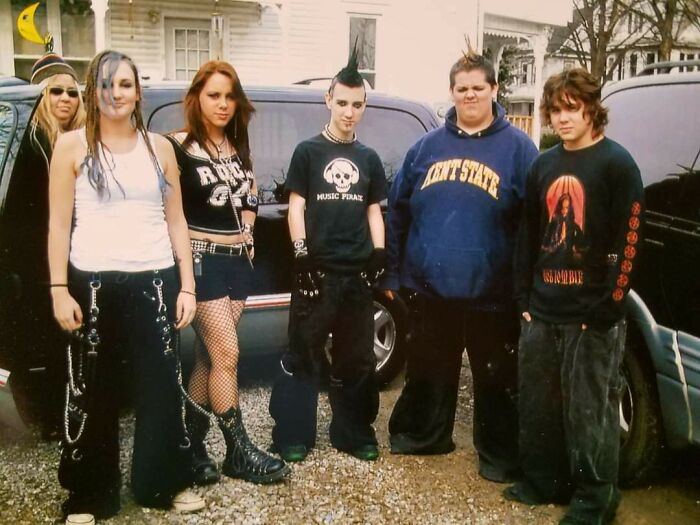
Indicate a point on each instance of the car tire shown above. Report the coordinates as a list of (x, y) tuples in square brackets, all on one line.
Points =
[(641, 439), (38, 403), (390, 334)]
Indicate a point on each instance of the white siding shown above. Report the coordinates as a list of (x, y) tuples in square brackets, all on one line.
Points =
[(252, 37)]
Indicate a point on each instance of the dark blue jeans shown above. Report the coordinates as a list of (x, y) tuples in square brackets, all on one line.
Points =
[(345, 309), (422, 420), (570, 386), (128, 331)]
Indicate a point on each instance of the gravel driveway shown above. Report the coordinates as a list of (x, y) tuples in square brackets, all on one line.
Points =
[(329, 487)]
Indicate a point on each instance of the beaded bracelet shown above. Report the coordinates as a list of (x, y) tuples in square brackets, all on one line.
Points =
[(188, 292)]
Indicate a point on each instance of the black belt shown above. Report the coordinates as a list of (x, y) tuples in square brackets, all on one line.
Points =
[(233, 250)]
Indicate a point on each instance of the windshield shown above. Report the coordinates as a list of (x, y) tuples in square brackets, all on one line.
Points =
[(659, 125)]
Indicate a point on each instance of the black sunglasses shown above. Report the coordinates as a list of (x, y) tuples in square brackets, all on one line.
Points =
[(58, 90)]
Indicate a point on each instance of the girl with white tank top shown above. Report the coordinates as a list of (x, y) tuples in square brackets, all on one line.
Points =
[(116, 232)]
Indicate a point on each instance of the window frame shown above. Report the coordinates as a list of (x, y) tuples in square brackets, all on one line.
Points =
[(366, 16)]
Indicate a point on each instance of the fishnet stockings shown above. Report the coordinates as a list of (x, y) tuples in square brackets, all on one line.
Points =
[(214, 378)]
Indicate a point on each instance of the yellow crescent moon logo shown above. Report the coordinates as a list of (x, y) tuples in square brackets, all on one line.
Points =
[(26, 27)]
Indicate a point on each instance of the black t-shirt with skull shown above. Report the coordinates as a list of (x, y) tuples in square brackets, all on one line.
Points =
[(339, 182)]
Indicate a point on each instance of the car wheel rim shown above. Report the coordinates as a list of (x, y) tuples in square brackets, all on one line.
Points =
[(384, 335), (626, 411)]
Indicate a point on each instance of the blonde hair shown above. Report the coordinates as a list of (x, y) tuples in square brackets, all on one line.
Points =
[(44, 120)]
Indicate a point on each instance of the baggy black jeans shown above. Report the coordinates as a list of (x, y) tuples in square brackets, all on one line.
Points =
[(570, 386), (128, 331), (344, 309), (422, 420)]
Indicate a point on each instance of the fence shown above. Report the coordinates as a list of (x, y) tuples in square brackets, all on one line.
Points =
[(523, 122)]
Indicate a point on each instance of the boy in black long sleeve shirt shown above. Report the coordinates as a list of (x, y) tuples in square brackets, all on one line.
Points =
[(576, 251)]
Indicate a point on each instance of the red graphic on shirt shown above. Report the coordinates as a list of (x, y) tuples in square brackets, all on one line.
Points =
[(567, 191), (634, 223), (636, 208), (632, 238)]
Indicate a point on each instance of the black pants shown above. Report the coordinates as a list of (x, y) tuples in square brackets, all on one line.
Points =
[(345, 309), (423, 418), (128, 330), (570, 387)]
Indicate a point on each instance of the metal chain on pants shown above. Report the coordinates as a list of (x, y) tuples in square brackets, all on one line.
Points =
[(80, 375)]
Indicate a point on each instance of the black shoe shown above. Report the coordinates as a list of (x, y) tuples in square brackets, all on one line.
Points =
[(499, 475), (243, 459), (522, 492), (366, 452), (204, 471)]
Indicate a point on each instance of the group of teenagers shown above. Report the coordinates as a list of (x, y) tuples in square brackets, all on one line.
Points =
[(522, 259)]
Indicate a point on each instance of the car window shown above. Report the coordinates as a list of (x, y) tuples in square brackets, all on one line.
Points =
[(8, 119), (13, 121), (277, 127), (658, 125)]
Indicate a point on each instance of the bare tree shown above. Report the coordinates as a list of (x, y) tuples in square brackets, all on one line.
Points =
[(667, 19), (596, 34)]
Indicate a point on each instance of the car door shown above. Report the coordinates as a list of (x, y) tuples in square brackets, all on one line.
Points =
[(663, 138)]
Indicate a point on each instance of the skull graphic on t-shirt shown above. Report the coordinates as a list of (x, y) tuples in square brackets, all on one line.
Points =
[(342, 173)]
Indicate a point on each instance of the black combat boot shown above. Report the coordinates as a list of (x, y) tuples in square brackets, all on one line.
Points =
[(243, 459), (204, 471)]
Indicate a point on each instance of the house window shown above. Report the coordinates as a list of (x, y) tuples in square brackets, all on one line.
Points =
[(650, 58), (187, 46), (633, 64), (191, 51), (364, 31), (621, 69), (690, 56), (526, 73), (75, 30), (568, 64)]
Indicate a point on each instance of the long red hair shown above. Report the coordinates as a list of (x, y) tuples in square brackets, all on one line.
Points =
[(236, 130)]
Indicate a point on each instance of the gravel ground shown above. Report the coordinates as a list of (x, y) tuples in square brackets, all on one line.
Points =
[(328, 488)]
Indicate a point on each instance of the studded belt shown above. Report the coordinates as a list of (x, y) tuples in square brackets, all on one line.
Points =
[(233, 250)]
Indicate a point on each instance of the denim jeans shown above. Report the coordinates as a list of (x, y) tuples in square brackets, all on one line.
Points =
[(570, 386), (422, 420), (345, 309), (128, 330)]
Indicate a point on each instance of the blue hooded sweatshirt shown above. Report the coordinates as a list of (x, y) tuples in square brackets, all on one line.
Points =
[(454, 211)]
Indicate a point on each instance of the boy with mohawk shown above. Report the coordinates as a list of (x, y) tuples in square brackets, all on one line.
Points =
[(335, 185), (576, 251)]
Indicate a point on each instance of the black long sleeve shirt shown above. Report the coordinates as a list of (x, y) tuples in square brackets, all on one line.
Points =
[(580, 234)]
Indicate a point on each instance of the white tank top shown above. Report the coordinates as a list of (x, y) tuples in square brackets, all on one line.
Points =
[(125, 230)]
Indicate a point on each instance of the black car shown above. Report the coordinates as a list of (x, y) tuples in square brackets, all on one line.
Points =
[(31, 346), (657, 118)]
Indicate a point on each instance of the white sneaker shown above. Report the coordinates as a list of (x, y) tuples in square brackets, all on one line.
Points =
[(188, 501), (80, 519)]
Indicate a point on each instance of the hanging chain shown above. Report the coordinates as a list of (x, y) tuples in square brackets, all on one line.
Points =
[(228, 164), (76, 387)]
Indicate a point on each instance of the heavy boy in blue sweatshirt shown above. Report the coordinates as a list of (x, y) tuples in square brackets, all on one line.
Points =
[(451, 227)]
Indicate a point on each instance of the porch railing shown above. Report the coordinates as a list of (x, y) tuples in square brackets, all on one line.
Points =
[(523, 122)]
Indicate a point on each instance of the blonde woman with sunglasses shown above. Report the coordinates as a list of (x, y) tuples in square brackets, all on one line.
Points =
[(61, 107)]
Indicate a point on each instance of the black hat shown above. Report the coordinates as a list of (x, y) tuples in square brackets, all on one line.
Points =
[(49, 65)]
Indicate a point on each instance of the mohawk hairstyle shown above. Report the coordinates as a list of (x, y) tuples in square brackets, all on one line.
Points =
[(349, 75), (471, 60)]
